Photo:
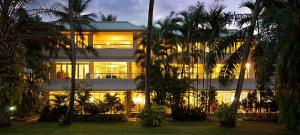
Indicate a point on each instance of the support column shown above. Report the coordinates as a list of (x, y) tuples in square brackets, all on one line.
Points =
[(90, 40), (91, 70), (52, 70), (129, 70)]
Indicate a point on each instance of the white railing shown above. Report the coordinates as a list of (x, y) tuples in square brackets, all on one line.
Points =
[(119, 44), (112, 75)]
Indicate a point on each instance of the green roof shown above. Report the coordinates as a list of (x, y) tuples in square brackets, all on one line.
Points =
[(110, 26)]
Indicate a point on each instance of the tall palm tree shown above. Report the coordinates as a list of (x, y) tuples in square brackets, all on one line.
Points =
[(148, 54), (239, 57), (75, 17), (190, 25), (216, 21), (250, 35)]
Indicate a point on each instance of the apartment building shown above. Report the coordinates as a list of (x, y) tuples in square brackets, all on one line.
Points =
[(113, 69)]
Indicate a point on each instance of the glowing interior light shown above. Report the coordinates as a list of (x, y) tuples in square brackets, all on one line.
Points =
[(137, 100), (248, 65), (127, 42)]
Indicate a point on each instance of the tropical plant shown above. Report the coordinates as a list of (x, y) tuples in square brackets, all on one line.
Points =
[(113, 103), (59, 100), (108, 18), (153, 116), (74, 16), (240, 56), (19, 58), (222, 113), (82, 99)]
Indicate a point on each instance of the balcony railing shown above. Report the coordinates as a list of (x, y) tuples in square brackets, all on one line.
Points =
[(118, 44), (212, 76), (112, 75), (103, 76)]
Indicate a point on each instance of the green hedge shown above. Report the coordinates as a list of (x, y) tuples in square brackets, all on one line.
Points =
[(101, 118)]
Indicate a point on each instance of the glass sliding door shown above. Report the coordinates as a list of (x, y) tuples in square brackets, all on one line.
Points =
[(110, 70), (64, 70)]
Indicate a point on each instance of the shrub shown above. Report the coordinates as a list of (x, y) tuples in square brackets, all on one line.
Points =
[(92, 108), (261, 117), (101, 118), (185, 114), (153, 116), (225, 118), (53, 114)]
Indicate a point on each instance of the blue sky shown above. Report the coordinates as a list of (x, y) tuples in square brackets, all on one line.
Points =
[(135, 11)]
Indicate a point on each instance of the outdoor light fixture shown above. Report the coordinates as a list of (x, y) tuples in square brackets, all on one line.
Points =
[(12, 108)]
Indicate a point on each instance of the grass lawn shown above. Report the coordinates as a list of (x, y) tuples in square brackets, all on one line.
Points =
[(131, 128)]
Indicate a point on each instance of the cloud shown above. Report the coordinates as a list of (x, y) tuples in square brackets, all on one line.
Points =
[(136, 11)]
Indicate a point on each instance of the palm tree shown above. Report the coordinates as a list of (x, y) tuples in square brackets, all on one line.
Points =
[(73, 15), (108, 18), (278, 56), (188, 23), (82, 99), (20, 29), (216, 21), (148, 54), (250, 33), (240, 56)]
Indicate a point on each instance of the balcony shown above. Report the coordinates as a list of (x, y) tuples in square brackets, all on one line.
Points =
[(114, 44), (102, 76), (212, 76)]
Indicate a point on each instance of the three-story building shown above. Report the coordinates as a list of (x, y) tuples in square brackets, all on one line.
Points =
[(112, 69)]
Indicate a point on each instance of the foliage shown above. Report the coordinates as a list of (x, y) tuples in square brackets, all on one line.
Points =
[(290, 115), (58, 109), (96, 108), (108, 18), (222, 114), (23, 65), (212, 101), (113, 103), (55, 113), (250, 102), (153, 116), (83, 95), (261, 117), (101, 118), (189, 114)]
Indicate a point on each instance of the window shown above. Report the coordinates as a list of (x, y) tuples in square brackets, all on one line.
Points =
[(136, 70), (80, 40), (110, 70), (64, 70), (119, 40)]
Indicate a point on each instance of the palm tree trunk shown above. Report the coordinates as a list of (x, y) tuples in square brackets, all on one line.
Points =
[(68, 118), (148, 54), (233, 111)]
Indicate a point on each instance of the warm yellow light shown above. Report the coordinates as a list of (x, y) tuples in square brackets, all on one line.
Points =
[(248, 65), (137, 100), (127, 42), (115, 38)]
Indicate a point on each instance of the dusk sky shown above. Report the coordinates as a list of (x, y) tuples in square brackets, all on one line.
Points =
[(135, 11)]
